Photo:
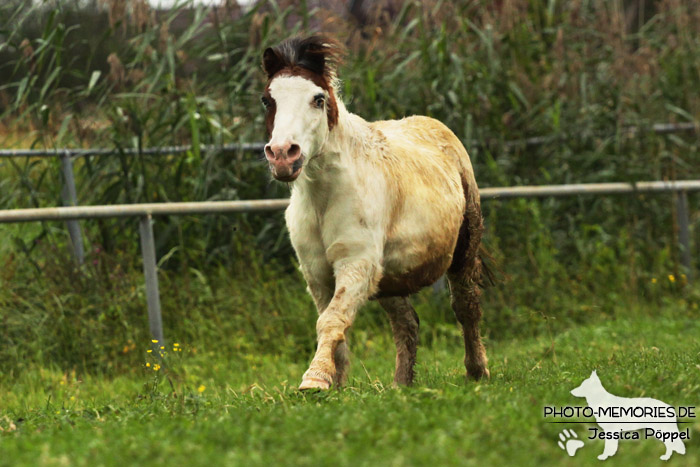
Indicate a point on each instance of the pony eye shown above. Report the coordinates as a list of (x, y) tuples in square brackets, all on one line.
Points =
[(265, 101), (319, 100)]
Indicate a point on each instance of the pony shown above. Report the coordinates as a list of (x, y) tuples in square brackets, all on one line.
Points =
[(378, 210)]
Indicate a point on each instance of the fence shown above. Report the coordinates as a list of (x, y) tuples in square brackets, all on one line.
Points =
[(70, 193), (145, 212)]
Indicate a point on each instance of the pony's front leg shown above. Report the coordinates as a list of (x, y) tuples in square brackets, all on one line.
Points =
[(322, 295), (355, 281)]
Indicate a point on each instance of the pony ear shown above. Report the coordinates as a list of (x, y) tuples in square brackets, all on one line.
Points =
[(594, 374), (313, 57), (321, 55), (272, 63), (318, 54)]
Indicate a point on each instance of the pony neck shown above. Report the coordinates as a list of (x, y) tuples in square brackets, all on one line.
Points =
[(349, 134)]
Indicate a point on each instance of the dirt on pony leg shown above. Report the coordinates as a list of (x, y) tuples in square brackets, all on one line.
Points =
[(355, 282), (465, 304), (404, 325)]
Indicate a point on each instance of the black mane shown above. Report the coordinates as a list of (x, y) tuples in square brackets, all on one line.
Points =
[(318, 54)]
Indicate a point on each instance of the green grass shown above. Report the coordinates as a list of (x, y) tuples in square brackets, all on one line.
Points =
[(250, 413), (589, 278)]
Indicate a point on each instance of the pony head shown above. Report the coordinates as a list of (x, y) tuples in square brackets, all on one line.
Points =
[(299, 100)]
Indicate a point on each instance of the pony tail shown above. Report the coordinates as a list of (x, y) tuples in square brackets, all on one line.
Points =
[(491, 272)]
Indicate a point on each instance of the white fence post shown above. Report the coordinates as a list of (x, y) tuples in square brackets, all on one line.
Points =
[(439, 285), (148, 251), (70, 198), (684, 232)]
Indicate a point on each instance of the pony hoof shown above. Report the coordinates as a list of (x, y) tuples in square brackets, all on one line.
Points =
[(477, 374), (314, 383)]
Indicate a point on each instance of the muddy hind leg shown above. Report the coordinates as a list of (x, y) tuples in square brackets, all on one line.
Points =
[(342, 363), (465, 304), (404, 324)]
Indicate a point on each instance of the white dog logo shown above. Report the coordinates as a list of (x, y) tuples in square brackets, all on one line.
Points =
[(617, 415)]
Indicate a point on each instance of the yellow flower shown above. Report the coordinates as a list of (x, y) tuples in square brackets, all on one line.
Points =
[(201, 388), (653, 280), (162, 347), (72, 398), (155, 341), (156, 367), (147, 364), (176, 344), (671, 278), (149, 351)]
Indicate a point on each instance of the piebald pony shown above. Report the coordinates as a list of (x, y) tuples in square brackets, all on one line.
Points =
[(378, 210)]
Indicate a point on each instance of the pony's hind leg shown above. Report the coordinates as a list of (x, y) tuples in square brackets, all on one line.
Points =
[(465, 304), (342, 363), (404, 324)]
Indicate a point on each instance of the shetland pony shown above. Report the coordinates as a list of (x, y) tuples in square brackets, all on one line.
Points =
[(378, 210)]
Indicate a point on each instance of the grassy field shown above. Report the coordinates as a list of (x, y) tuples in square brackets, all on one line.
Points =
[(244, 410), (588, 282)]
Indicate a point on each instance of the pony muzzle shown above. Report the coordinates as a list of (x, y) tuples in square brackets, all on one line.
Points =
[(285, 170), (286, 160)]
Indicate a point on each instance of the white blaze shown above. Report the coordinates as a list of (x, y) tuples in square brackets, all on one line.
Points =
[(297, 120)]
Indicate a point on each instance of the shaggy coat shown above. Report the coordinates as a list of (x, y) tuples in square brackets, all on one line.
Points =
[(378, 210)]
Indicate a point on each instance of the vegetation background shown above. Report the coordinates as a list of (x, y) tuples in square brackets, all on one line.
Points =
[(120, 74)]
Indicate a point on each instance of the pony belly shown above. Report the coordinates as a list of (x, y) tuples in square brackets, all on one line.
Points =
[(419, 249), (413, 263), (401, 284)]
